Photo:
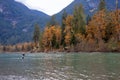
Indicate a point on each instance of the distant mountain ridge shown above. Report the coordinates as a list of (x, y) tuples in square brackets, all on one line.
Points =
[(17, 22)]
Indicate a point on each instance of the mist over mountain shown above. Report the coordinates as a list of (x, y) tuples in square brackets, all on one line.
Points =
[(17, 21)]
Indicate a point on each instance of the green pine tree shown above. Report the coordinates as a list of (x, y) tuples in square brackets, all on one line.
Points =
[(52, 21), (102, 5), (79, 20), (36, 35), (64, 15), (73, 39)]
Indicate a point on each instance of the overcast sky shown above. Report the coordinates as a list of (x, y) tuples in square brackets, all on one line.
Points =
[(49, 7)]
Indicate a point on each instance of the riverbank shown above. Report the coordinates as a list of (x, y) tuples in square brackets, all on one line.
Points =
[(59, 51), (31, 48)]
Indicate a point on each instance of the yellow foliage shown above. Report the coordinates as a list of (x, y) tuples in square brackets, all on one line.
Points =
[(68, 38), (68, 29), (97, 25), (48, 34), (68, 20)]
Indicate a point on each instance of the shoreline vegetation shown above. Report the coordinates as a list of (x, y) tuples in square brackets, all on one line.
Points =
[(78, 32), (30, 48)]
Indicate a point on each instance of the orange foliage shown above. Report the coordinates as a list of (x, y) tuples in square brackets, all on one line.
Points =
[(68, 29), (96, 27), (48, 34), (116, 21)]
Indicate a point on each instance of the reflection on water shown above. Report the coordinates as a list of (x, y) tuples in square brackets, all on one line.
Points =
[(83, 66)]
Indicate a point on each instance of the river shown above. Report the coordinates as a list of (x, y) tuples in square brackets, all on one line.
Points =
[(60, 66)]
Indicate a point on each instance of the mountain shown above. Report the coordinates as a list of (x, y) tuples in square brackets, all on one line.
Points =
[(90, 7), (17, 22)]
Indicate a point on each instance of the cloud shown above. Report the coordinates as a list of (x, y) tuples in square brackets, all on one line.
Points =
[(49, 7)]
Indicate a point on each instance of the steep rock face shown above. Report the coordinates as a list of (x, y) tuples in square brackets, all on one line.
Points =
[(17, 22)]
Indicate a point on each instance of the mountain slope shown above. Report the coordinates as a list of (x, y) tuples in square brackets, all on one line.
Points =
[(90, 6), (17, 22)]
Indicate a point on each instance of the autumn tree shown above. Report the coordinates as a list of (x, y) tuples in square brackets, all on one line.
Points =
[(96, 28), (109, 28), (116, 22), (51, 37), (104, 28), (69, 34)]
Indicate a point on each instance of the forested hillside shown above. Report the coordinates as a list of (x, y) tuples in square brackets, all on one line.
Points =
[(17, 22)]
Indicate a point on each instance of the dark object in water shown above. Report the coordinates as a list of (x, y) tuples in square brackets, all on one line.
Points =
[(23, 55)]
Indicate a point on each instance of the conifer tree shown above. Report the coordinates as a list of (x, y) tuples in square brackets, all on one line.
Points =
[(79, 20), (102, 5), (63, 28), (36, 35), (54, 42), (88, 19), (116, 4), (52, 21)]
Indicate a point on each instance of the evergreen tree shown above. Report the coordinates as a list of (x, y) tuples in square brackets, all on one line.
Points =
[(64, 15), (116, 4), (54, 42), (79, 20), (73, 39), (63, 28), (88, 19), (102, 5), (36, 35), (52, 21)]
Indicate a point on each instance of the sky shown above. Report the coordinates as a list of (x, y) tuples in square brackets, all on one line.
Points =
[(49, 7)]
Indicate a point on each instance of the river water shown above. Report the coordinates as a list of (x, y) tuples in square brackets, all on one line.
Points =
[(60, 66)]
